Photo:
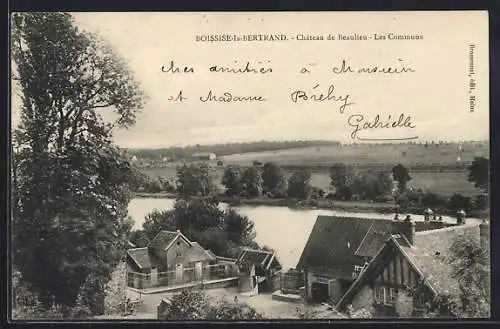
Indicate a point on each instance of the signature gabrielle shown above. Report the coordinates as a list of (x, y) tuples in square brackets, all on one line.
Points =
[(359, 123)]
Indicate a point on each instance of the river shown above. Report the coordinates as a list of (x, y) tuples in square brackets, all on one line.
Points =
[(280, 228)]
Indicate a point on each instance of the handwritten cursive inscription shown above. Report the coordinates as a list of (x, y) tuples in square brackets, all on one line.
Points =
[(228, 97), (247, 68), (400, 68), (317, 96), (359, 123)]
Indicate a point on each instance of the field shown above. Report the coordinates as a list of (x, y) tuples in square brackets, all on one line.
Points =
[(440, 168), (412, 155)]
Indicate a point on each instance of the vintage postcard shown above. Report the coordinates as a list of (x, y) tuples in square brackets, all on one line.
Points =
[(250, 165)]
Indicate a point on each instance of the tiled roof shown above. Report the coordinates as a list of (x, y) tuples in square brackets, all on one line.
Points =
[(336, 242), (163, 240), (141, 257), (332, 244), (375, 238), (201, 253), (431, 254)]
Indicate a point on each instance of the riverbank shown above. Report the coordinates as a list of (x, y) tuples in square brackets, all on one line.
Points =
[(316, 204), (326, 204)]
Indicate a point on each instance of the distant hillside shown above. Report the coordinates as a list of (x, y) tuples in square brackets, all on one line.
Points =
[(225, 149), (385, 152)]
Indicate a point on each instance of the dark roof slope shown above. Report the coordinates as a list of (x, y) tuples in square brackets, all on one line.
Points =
[(375, 238), (332, 244), (336, 242), (200, 253), (141, 257), (163, 239)]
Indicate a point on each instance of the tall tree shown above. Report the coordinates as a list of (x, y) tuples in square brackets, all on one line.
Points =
[(402, 176), (72, 184), (231, 179), (195, 179), (299, 185), (203, 220), (344, 180), (372, 185), (273, 177), (251, 182), (479, 173), (337, 173)]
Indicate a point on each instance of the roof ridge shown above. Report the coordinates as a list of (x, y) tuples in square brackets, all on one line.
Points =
[(130, 249), (445, 229)]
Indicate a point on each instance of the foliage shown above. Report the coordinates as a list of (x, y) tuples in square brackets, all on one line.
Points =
[(139, 238), (459, 201), (273, 178), (317, 193), (371, 185), (306, 313), (361, 313), (481, 202), (470, 267), (26, 304), (251, 182), (231, 180), (433, 201), (479, 173), (154, 185), (202, 220), (344, 180), (337, 173), (299, 185), (115, 299), (72, 185), (402, 176), (195, 179), (196, 305)]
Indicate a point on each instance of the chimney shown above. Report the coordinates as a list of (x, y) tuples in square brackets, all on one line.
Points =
[(427, 214), (484, 234), (460, 217), (408, 229)]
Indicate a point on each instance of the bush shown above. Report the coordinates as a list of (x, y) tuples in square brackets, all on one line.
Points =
[(481, 202), (459, 201), (317, 193), (434, 201)]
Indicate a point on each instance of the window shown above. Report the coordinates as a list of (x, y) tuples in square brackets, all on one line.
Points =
[(384, 295)]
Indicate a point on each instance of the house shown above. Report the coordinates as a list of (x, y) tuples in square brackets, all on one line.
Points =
[(258, 270), (339, 247), (171, 258), (203, 156), (404, 260)]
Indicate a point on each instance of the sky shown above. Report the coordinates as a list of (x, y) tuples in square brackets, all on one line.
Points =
[(435, 96)]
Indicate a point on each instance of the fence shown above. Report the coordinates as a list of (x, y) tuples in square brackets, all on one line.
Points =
[(181, 277)]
